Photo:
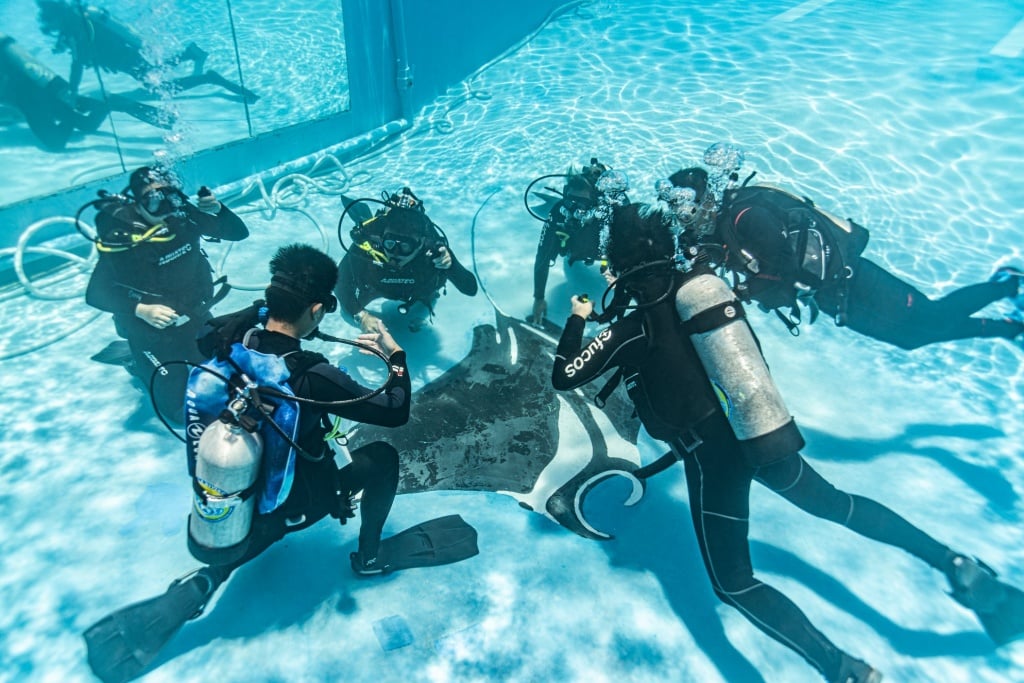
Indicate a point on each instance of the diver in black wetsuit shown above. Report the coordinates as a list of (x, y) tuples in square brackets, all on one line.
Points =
[(153, 276), (398, 254), (297, 300), (572, 229), (52, 109), (96, 39), (675, 401), (122, 645), (788, 251)]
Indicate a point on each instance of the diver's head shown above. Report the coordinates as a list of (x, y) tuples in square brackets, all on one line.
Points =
[(695, 178), (404, 233), (157, 193), (301, 291), (698, 214), (54, 16), (639, 248)]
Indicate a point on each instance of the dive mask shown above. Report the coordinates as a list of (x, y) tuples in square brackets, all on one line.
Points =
[(399, 245), (161, 201)]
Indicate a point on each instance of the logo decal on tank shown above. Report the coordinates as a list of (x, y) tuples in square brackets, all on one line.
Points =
[(723, 398)]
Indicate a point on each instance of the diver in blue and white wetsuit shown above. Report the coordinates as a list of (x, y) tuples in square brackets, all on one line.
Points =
[(675, 401)]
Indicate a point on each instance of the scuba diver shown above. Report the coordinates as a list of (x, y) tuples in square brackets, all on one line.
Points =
[(52, 109), (398, 254), (259, 446), (695, 374), (573, 225), (96, 39), (785, 251), (153, 276)]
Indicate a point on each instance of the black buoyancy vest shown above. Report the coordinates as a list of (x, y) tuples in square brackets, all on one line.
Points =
[(815, 249), (670, 388)]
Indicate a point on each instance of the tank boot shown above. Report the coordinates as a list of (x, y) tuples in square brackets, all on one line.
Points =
[(998, 606), (855, 671)]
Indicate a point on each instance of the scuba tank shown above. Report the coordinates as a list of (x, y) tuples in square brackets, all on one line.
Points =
[(227, 465), (739, 375)]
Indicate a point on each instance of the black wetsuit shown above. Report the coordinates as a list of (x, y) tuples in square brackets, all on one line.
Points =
[(674, 407), (361, 279), (51, 108), (564, 235), (872, 301), (171, 270), (320, 488)]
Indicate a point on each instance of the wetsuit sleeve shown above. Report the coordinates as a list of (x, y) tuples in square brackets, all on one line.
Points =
[(390, 408), (103, 291), (226, 225), (547, 251), (576, 364), (347, 289), (463, 280), (105, 294)]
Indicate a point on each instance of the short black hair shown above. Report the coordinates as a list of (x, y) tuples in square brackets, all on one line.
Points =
[(144, 176), (300, 275), (637, 234), (408, 222), (695, 178)]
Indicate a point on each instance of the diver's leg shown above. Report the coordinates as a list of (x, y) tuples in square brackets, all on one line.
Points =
[(884, 307), (794, 479), (374, 471), (719, 488), (213, 78), (192, 53), (971, 299), (999, 606)]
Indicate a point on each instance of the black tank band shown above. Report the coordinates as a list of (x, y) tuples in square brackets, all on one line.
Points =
[(715, 317)]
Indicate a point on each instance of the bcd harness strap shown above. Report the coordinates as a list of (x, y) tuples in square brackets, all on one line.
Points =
[(687, 442)]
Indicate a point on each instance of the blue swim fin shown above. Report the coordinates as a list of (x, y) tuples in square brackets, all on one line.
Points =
[(439, 541)]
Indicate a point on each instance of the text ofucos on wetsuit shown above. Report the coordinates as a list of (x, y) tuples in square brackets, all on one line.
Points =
[(595, 345)]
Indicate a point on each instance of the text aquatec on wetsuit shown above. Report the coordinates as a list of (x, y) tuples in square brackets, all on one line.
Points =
[(595, 345)]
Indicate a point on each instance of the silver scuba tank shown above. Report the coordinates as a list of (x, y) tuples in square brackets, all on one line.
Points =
[(739, 375), (227, 465)]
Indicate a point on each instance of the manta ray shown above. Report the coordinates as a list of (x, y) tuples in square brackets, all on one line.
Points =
[(493, 422)]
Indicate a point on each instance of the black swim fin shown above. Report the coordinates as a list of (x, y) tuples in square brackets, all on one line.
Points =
[(215, 78), (548, 202), (115, 353), (998, 606), (439, 541), (121, 645), (360, 213), (143, 112)]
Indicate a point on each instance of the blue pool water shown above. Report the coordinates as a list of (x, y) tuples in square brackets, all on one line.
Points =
[(906, 116)]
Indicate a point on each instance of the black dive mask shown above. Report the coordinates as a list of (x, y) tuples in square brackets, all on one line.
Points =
[(399, 245), (161, 201)]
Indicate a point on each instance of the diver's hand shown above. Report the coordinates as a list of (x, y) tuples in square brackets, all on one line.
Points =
[(367, 321), (380, 339), (208, 201), (540, 309), (582, 307), (443, 260), (157, 315), (608, 277)]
